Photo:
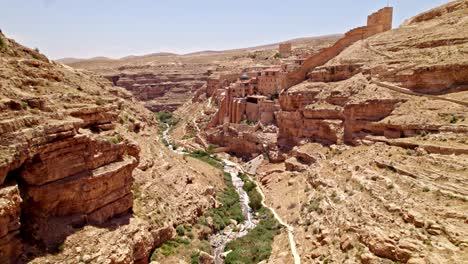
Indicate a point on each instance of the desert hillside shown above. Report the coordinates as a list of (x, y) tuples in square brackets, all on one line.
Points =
[(349, 148)]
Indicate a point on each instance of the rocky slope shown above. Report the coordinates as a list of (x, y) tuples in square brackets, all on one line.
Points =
[(401, 194), (82, 172), (368, 156)]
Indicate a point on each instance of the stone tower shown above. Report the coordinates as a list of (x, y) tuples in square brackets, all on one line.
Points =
[(285, 50)]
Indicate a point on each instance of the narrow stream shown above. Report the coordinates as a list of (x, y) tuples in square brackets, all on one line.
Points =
[(220, 239)]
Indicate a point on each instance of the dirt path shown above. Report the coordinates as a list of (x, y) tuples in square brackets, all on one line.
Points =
[(409, 92)]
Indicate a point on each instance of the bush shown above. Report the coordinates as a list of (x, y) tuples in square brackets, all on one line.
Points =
[(194, 257), (255, 200), (116, 139), (254, 196), (169, 247), (453, 119), (180, 230), (167, 118)]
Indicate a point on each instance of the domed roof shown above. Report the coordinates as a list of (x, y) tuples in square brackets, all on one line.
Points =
[(244, 77)]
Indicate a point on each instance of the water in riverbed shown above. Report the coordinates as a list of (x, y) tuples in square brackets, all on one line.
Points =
[(220, 239)]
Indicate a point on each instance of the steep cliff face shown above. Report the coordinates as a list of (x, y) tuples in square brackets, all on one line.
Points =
[(77, 167), (161, 89)]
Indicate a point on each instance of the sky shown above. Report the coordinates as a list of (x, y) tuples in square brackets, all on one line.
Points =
[(118, 28)]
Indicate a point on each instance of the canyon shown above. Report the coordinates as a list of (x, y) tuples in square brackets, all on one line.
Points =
[(347, 148)]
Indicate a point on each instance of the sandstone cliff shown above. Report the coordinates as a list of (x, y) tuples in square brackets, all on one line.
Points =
[(82, 171)]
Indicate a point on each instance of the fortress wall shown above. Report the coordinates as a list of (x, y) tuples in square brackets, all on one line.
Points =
[(377, 22)]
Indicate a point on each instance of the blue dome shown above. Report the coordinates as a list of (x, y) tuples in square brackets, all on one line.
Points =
[(244, 77)]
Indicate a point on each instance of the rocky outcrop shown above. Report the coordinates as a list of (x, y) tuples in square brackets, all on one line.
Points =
[(161, 90), (68, 178), (10, 208), (242, 139)]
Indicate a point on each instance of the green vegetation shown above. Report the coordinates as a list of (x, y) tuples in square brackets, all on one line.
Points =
[(254, 196), (206, 157), (313, 205), (180, 230), (58, 248), (167, 118), (248, 122), (24, 105), (116, 139), (169, 247), (230, 208), (212, 147), (274, 96), (256, 245), (204, 246), (277, 55)]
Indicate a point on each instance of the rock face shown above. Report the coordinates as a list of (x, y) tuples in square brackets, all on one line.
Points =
[(162, 90), (67, 178), (71, 181), (10, 208)]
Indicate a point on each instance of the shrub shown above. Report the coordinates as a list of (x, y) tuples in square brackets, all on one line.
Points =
[(194, 257), (180, 230), (254, 196), (255, 200), (116, 139), (167, 118)]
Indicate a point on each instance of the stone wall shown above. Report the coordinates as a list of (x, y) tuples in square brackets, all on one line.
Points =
[(378, 22)]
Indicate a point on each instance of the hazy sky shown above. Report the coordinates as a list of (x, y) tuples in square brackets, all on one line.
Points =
[(116, 28)]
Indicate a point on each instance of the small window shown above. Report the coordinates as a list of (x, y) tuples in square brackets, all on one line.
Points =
[(252, 100)]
